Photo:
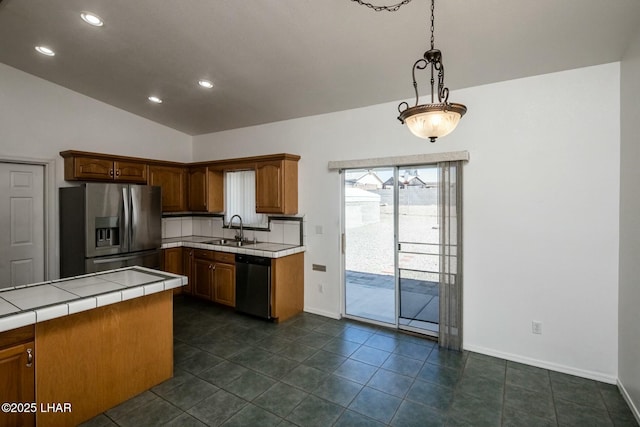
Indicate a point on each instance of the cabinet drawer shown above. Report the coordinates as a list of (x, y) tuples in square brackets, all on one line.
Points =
[(203, 254), (225, 257), (15, 336)]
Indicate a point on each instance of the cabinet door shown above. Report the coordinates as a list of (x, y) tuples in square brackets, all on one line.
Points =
[(173, 181), (130, 172), (198, 189), (172, 260), (225, 284), (18, 382), (187, 268), (202, 278), (269, 187), (92, 169)]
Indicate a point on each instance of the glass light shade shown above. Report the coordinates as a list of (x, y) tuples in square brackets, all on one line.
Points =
[(431, 121)]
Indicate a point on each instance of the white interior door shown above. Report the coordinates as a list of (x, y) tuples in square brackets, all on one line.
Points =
[(22, 224)]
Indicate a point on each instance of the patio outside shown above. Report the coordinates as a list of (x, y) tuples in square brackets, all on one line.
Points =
[(369, 228)]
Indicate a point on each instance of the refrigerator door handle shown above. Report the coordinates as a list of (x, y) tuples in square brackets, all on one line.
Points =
[(125, 230)]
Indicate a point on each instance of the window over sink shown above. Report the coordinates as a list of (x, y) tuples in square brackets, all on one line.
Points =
[(240, 198)]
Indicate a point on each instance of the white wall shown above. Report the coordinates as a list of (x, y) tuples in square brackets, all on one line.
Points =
[(38, 119), (541, 208), (629, 312)]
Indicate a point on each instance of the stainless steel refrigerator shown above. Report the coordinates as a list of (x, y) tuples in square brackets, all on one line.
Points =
[(107, 226)]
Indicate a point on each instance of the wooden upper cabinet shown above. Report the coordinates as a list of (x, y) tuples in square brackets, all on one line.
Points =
[(130, 172), (277, 186), (195, 187), (173, 180), (206, 189), (80, 166), (88, 168)]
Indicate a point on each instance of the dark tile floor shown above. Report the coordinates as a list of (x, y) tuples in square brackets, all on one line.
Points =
[(234, 370)]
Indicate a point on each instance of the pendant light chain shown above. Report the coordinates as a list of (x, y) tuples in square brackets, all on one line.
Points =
[(432, 47), (392, 8), (432, 25)]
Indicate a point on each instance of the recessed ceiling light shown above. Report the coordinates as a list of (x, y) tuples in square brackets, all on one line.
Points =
[(205, 83), (45, 51), (155, 99), (92, 19)]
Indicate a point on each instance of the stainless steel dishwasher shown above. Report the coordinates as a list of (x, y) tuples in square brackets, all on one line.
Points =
[(253, 285)]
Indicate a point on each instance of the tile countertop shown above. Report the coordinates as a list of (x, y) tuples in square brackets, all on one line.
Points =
[(264, 249), (29, 304)]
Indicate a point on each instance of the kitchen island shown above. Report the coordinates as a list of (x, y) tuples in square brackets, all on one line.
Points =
[(85, 344)]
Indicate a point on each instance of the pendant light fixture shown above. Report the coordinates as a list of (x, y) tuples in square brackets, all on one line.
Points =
[(436, 119)]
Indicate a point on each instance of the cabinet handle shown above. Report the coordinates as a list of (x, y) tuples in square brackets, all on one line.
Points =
[(210, 267), (118, 172), (29, 358), (110, 172)]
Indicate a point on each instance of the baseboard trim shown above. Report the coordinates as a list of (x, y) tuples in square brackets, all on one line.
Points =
[(627, 398), (598, 376), (323, 313)]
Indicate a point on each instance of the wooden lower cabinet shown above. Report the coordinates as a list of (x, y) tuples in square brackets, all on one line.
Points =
[(287, 286), (224, 284), (172, 261), (203, 277), (187, 269), (213, 275), (17, 375)]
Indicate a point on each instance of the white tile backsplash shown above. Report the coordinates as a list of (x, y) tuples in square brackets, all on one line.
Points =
[(277, 232), (173, 227), (262, 236), (187, 226), (195, 227), (216, 226), (206, 227), (291, 234), (281, 231)]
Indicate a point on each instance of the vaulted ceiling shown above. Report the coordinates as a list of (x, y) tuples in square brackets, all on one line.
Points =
[(272, 60)]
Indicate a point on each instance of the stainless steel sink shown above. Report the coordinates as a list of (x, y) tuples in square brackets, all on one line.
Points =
[(228, 242)]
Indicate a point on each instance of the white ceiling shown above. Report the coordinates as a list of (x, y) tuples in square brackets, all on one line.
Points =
[(274, 60)]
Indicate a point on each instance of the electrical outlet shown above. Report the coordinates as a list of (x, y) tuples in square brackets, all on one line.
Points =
[(321, 288), (536, 327)]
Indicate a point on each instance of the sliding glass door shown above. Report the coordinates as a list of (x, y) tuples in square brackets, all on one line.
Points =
[(369, 236), (418, 249), (402, 234)]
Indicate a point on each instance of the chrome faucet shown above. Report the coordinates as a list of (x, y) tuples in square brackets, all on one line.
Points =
[(240, 235)]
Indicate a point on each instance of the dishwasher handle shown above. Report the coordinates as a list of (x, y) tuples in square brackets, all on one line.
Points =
[(251, 259)]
